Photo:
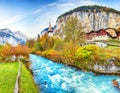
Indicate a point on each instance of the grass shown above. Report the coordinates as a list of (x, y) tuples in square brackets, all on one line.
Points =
[(111, 46), (27, 84), (8, 73)]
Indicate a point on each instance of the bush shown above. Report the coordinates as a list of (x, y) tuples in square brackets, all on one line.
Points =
[(87, 53), (52, 54), (39, 53), (58, 45), (68, 53)]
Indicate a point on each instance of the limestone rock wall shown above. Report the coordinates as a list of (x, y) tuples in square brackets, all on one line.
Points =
[(90, 21)]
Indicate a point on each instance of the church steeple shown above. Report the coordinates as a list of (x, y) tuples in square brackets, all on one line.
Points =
[(50, 28)]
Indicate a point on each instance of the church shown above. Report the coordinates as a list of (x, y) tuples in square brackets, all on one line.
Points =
[(49, 30)]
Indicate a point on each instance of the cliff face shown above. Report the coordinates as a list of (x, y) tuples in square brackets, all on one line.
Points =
[(91, 20)]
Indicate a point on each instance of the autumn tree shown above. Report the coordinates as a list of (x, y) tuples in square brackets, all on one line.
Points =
[(8, 50), (73, 32), (44, 41), (38, 46), (22, 50), (30, 43), (47, 42), (51, 42), (1, 47), (58, 44)]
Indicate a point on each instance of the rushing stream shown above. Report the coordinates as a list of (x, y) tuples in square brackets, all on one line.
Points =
[(53, 77)]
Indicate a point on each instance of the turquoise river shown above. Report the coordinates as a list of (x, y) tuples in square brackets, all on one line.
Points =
[(52, 77)]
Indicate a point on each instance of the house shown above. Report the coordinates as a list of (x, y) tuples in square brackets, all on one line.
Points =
[(102, 34), (99, 37)]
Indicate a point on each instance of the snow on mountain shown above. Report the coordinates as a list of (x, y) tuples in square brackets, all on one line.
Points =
[(21, 36), (13, 38)]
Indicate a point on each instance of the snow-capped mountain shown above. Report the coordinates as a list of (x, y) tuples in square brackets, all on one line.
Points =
[(21, 36), (13, 38)]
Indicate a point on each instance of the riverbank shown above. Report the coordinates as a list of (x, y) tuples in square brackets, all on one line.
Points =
[(27, 84), (98, 72)]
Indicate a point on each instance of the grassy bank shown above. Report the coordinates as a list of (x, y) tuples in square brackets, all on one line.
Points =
[(8, 73), (27, 84)]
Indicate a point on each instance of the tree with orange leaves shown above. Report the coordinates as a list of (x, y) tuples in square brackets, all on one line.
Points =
[(8, 50), (22, 50)]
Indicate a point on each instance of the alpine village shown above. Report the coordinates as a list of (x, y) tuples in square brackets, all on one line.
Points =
[(80, 54)]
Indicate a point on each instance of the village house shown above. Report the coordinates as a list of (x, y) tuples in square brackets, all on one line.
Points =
[(99, 37), (102, 35)]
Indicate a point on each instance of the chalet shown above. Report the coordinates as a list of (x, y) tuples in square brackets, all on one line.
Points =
[(102, 34), (99, 37)]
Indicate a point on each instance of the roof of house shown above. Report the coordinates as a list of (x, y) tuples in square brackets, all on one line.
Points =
[(109, 31)]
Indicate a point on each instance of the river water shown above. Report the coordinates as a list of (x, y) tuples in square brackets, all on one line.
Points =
[(54, 77)]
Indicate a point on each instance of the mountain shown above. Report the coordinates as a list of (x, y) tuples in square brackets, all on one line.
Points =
[(90, 7), (21, 37), (93, 18), (13, 38)]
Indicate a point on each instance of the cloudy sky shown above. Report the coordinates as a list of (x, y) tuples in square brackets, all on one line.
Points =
[(32, 16)]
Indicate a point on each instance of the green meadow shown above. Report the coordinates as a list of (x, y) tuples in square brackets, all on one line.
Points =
[(8, 74)]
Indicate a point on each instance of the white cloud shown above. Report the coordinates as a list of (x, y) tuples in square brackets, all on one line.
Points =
[(52, 4), (42, 8), (37, 11), (11, 20)]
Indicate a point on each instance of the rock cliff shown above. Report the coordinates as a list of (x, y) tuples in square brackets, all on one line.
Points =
[(93, 18)]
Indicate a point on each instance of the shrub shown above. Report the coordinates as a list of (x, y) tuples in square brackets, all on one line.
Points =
[(39, 53), (58, 45), (88, 53), (68, 53), (52, 54)]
